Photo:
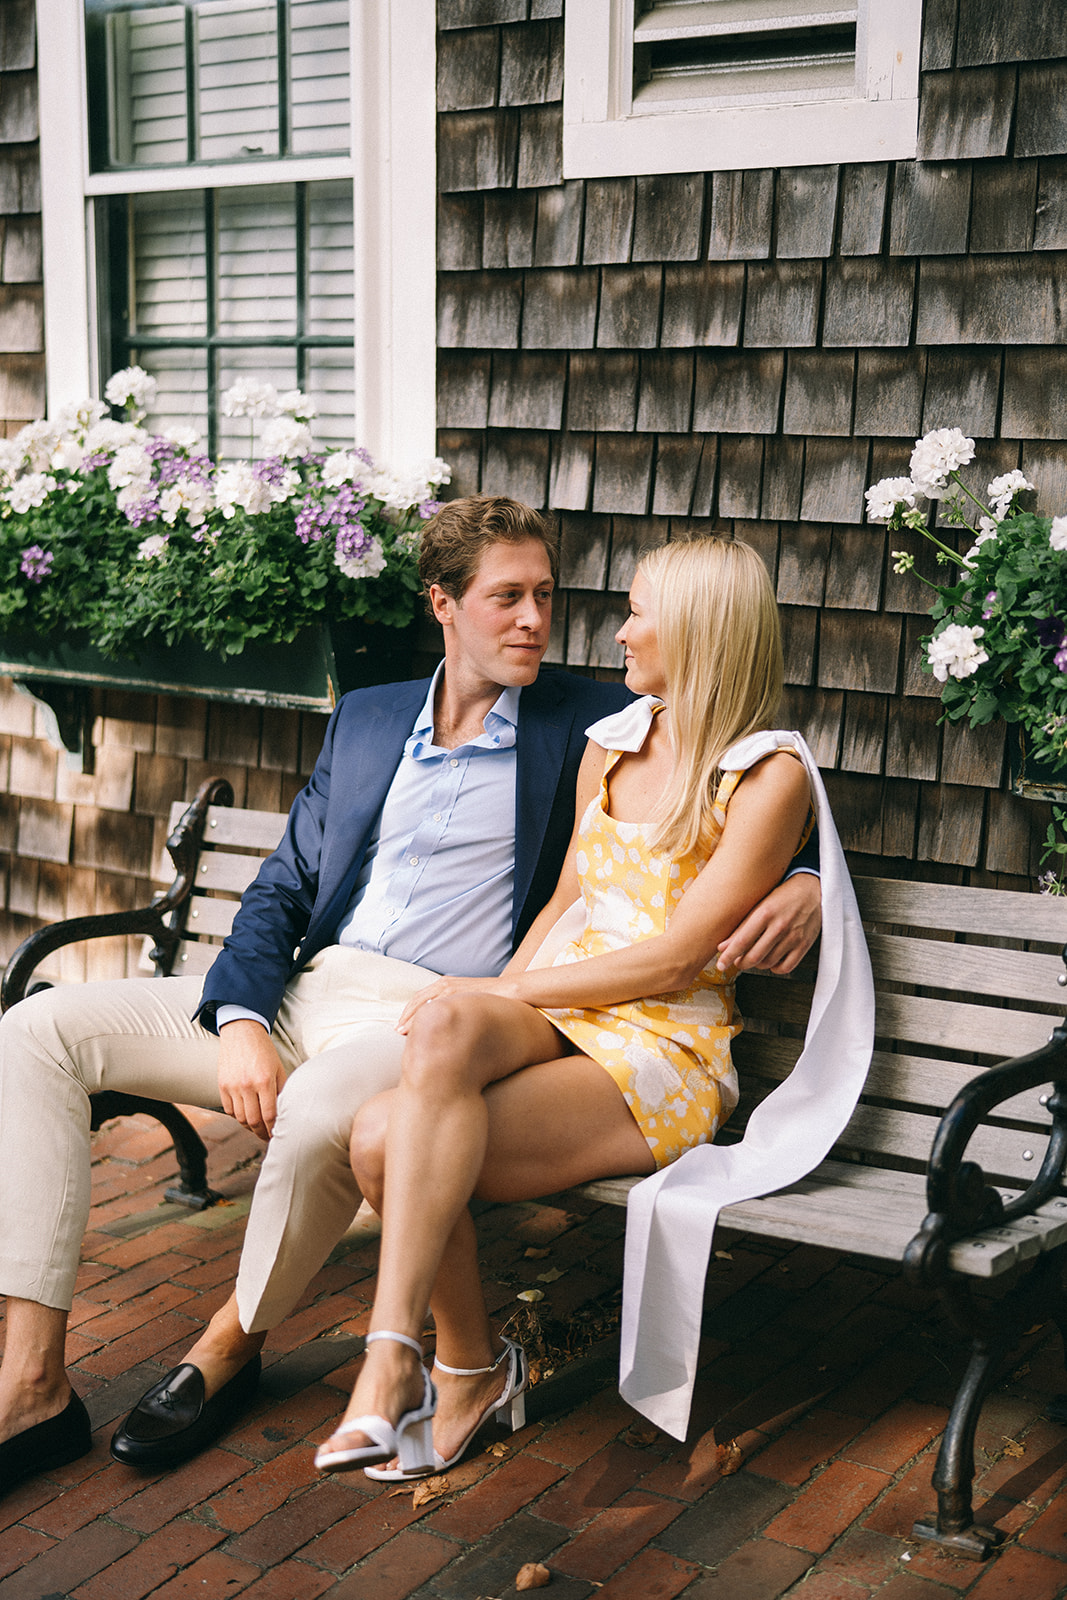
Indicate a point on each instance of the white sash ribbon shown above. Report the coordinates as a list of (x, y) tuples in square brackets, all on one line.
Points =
[(671, 1216)]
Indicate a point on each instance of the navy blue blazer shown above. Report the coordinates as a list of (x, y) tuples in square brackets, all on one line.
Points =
[(293, 908)]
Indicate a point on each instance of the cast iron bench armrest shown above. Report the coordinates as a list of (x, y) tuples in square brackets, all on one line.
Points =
[(163, 920)]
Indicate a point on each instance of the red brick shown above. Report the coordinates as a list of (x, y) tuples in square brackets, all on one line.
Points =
[(521, 1479), (615, 1536), (689, 1471), (275, 1425), (214, 1574), (584, 1430), (827, 1506), (397, 1569), (911, 1497), (891, 1441), (1049, 1532), (293, 1580), (862, 1557), (831, 1586), (1021, 1575), (172, 1493), (653, 1575), (97, 1494), (118, 1288), (759, 1570), (69, 1563), (910, 1586), (296, 1523), (597, 1483), (367, 1527), (20, 1545), (258, 1493), (794, 1456), (145, 1344), (152, 1562)]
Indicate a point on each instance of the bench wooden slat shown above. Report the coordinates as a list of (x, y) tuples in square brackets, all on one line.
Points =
[(193, 960), (1003, 912), (211, 916), (979, 969), (230, 825), (218, 869)]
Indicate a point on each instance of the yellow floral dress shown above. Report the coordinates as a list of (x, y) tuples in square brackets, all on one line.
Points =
[(669, 1055)]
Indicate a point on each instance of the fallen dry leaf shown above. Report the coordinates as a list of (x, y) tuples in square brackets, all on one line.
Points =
[(499, 1449), (728, 1458), (535, 1252), (642, 1434), (1012, 1447), (534, 1575), (531, 1296), (428, 1489), (723, 1255), (550, 1276)]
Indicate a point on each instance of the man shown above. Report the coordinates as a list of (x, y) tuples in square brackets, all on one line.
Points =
[(427, 839)]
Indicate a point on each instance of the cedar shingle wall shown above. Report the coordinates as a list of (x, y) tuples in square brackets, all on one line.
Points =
[(745, 351)]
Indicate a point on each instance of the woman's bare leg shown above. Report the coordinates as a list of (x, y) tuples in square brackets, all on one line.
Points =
[(550, 1126), (33, 1379)]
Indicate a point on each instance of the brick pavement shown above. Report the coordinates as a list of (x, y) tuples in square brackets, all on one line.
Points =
[(831, 1376)]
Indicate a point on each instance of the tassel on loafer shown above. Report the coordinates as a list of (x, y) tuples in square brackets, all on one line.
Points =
[(411, 1440), (174, 1420), (52, 1443)]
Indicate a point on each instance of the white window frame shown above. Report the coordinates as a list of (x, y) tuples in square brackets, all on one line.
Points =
[(606, 135), (393, 171)]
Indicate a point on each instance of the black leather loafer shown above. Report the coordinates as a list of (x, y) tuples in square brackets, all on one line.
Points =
[(47, 1444), (173, 1420)]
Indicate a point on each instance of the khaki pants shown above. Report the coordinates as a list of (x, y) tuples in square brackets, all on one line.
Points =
[(336, 1025)]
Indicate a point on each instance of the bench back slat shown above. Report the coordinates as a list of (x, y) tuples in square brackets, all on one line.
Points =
[(949, 907)]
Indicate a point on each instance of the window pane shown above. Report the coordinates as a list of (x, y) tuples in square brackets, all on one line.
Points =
[(182, 398), (169, 296), (147, 87), (328, 381), (256, 234), (318, 76), (239, 436), (237, 79), (330, 280)]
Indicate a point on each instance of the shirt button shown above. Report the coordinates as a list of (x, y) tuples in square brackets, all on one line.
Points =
[(453, 763), (437, 816), (414, 861)]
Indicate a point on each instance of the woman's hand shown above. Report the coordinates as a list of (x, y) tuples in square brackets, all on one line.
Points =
[(503, 986)]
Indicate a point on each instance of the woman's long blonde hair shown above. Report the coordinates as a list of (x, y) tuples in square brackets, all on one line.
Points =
[(721, 646)]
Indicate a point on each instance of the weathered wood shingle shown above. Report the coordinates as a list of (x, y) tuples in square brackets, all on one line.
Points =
[(559, 226), (783, 478), (1026, 30), (459, 233), (818, 392), (992, 300), (669, 217), (516, 463), (666, 396), (931, 210), (963, 391), (609, 221), (510, 222), (540, 146), (478, 310), (738, 391), (462, 389), (477, 150), (889, 392), (864, 192), (623, 473), (782, 304), (468, 70), (1034, 381), (742, 216), (740, 474), (602, 391), (966, 114), (702, 304), (478, 13), (677, 465), (803, 554), (807, 211), (1050, 223), (1003, 207), (527, 389), (630, 307), (835, 476), (559, 310), (531, 64), (1041, 119)]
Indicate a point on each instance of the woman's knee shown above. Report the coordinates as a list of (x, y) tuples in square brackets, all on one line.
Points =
[(443, 1040), (366, 1148)]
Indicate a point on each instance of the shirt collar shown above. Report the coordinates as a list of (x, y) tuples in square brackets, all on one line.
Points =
[(500, 723)]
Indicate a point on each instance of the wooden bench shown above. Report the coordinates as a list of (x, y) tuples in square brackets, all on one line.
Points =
[(951, 1164)]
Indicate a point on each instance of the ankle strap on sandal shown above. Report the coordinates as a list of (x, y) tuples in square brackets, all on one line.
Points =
[(399, 1338), (472, 1372)]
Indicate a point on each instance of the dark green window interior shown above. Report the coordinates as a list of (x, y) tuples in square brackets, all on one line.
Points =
[(206, 286)]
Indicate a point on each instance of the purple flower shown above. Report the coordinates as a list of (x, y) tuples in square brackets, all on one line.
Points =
[(36, 563), (989, 599), (144, 510), (1060, 658), (1049, 632), (90, 463), (430, 508), (272, 470)]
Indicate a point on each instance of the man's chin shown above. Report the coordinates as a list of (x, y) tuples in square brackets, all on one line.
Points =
[(522, 667)]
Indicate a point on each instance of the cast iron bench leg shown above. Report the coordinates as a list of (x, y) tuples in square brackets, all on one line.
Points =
[(192, 1190)]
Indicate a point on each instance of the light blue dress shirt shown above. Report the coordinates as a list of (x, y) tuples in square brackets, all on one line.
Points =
[(436, 884)]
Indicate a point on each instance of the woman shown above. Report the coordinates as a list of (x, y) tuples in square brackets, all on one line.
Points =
[(552, 1075)]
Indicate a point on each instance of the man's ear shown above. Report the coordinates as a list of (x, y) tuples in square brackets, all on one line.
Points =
[(441, 603)]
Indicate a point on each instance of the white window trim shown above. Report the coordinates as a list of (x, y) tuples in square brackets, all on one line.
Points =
[(605, 136), (393, 169)]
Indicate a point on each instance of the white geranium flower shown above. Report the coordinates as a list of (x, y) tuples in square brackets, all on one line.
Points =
[(67, 456), (78, 415), (884, 497), (132, 385), (434, 473), (10, 461), (987, 529), (935, 456), (367, 564), (110, 435), (1058, 533), (1003, 490), (295, 403), (153, 546), (956, 652), (36, 442), (341, 467), (236, 485), (31, 490), (131, 468), (285, 436), (182, 435), (248, 397), (195, 499)]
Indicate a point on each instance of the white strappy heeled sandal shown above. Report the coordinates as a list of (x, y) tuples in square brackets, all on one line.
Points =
[(411, 1440), (509, 1410)]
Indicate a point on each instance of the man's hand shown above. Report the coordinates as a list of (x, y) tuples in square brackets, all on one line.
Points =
[(779, 932), (250, 1075)]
